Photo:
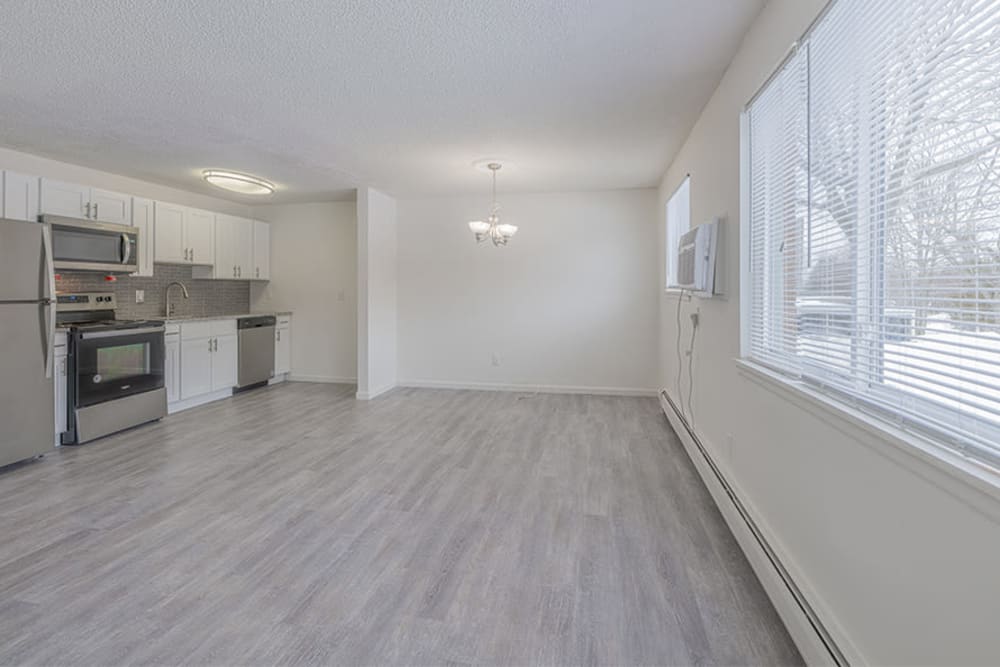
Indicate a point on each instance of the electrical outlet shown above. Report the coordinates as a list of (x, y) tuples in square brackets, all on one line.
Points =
[(494, 359), (140, 296)]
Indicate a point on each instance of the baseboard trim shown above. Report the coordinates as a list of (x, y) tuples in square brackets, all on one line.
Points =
[(195, 401), (810, 634), (529, 388), (323, 379), (369, 395)]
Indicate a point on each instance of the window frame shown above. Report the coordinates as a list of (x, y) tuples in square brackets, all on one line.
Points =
[(671, 237), (873, 398)]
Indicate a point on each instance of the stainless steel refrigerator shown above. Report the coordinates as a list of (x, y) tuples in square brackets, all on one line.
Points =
[(27, 338)]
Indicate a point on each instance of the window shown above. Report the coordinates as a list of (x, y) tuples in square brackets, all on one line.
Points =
[(678, 222), (872, 160)]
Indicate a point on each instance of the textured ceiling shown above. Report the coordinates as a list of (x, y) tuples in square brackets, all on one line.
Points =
[(321, 96)]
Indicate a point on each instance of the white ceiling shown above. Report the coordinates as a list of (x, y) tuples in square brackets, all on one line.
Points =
[(321, 96)]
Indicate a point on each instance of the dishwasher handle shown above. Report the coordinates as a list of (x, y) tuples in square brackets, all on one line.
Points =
[(256, 321)]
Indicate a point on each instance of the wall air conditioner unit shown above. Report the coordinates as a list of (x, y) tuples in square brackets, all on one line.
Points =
[(696, 259)]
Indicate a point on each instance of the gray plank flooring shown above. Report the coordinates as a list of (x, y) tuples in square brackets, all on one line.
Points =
[(295, 525)]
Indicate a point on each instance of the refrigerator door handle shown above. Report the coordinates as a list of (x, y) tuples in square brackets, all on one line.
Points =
[(50, 341), (50, 329), (50, 270)]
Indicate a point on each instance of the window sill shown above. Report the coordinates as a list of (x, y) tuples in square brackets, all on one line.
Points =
[(977, 483)]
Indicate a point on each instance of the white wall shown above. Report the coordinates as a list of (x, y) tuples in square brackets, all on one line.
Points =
[(570, 304), (377, 318), (314, 275), (899, 557), (62, 171)]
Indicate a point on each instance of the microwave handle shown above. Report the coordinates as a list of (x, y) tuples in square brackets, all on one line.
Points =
[(126, 249)]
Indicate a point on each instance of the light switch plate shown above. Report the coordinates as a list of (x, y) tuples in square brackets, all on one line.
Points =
[(140, 296)]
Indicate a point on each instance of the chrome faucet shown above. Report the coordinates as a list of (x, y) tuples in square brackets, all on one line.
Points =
[(166, 296)]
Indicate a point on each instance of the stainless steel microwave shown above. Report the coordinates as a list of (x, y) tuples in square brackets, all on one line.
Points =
[(85, 245)]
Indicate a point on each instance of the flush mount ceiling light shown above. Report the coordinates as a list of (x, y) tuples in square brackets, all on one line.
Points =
[(245, 184), (491, 228)]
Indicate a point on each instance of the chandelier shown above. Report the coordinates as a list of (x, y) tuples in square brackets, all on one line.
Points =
[(492, 228)]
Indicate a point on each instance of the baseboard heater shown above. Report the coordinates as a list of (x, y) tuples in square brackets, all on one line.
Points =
[(836, 655)]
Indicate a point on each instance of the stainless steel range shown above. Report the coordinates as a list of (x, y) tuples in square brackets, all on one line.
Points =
[(115, 373)]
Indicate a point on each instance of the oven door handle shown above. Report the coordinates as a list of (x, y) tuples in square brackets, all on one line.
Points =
[(91, 335), (126, 249)]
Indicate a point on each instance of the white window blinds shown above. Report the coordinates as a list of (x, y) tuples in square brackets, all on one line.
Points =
[(678, 223), (874, 203)]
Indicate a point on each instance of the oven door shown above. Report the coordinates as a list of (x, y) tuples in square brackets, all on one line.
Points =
[(114, 364), (82, 245)]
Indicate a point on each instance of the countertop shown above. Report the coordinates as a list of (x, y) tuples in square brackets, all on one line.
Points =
[(237, 316)]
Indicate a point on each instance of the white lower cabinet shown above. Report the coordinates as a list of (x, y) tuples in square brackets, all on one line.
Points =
[(283, 345), (225, 359), (60, 385), (208, 359), (172, 367), (196, 366)]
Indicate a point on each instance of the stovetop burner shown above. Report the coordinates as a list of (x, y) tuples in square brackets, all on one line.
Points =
[(94, 311)]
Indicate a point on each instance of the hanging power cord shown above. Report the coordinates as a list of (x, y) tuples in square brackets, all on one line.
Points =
[(695, 322)]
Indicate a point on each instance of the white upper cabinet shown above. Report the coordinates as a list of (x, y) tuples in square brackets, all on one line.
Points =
[(261, 250), (168, 236), (142, 218), (80, 201), (200, 234), (183, 235), (225, 265), (67, 199), (107, 206), (20, 196), (233, 249), (243, 247)]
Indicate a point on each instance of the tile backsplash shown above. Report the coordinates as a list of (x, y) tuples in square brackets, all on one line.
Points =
[(208, 297)]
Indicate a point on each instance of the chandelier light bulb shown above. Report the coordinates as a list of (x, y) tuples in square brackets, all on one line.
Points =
[(507, 230)]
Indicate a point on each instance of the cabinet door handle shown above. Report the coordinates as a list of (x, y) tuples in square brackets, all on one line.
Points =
[(241, 272), (279, 334), (209, 344), (87, 208), (234, 270), (192, 254), (216, 348), (258, 272), (95, 211)]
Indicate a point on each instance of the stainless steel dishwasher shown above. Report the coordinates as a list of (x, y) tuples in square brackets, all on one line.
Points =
[(256, 350)]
